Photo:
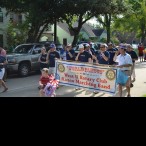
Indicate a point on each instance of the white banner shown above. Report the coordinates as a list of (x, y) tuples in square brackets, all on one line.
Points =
[(90, 77)]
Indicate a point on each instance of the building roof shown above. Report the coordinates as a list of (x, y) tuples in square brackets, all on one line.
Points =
[(98, 32), (65, 27), (88, 28)]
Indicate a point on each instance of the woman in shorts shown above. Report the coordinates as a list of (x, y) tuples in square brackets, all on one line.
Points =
[(2, 72)]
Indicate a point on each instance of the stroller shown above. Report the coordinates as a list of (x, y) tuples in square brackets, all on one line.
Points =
[(51, 87)]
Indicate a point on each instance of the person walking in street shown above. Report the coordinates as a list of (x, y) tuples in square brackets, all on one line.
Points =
[(43, 59), (104, 56), (52, 55), (83, 56), (2, 72), (90, 51), (124, 64), (140, 52), (112, 52), (134, 57), (63, 53), (70, 53), (3, 53)]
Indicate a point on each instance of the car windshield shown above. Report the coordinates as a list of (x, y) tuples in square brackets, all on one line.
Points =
[(23, 49)]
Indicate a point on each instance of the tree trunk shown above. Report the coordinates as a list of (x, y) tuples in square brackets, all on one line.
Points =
[(41, 32), (108, 34), (33, 33), (75, 40)]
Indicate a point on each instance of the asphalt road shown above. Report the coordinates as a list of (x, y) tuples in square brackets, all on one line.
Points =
[(28, 87)]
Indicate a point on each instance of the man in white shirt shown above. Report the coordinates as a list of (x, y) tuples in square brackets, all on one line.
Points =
[(125, 64)]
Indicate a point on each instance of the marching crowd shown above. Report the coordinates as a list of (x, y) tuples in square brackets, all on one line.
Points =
[(123, 57)]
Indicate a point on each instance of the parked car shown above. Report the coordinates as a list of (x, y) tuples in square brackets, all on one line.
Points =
[(24, 58)]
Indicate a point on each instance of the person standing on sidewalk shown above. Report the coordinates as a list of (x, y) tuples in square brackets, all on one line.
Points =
[(124, 64), (134, 57)]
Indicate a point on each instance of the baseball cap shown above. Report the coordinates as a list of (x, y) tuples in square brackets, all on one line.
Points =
[(109, 44), (81, 46), (69, 45), (122, 46), (87, 45), (52, 46)]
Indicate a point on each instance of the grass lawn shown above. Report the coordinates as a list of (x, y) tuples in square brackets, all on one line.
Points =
[(144, 95)]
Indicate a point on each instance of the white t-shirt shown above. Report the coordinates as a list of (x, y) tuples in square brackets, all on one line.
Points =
[(123, 60)]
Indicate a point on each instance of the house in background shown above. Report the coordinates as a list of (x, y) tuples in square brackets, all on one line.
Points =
[(65, 35), (4, 21), (100, 33)]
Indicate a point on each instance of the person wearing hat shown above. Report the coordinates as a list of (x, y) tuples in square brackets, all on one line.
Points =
[(52, 55), (103, 56), (83, 56), (134, 57), (90, 51), (124, 64), (70, 53)]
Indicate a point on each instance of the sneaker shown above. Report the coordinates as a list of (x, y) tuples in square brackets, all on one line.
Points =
[(5, 90), (128, 95), (78, 88), (95, 92)]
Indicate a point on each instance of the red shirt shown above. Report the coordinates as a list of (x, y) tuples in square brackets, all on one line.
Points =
[(141, 49), (45, 80)]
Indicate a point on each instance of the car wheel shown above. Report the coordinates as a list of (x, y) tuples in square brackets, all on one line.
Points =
[(24, 70)]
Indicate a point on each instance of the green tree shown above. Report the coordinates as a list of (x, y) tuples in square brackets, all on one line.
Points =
[(80, 12), (135, 20), (116, 7), (16, 34)]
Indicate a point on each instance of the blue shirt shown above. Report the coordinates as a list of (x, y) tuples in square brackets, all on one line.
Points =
[(101, 60), (72, 53), (84, 57), (112, 54), (52, 57)]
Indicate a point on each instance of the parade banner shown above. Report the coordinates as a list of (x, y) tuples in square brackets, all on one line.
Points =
[(87, 76)]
